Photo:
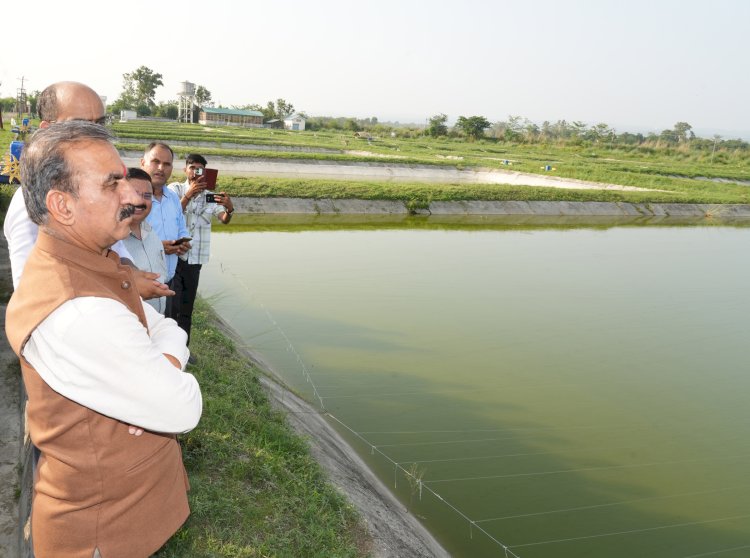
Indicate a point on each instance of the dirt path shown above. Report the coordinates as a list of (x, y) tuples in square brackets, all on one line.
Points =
[(390, 172)]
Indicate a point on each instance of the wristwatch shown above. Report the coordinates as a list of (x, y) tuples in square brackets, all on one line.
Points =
[(230, 211)]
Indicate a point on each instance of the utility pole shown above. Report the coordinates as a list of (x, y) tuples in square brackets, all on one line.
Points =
[(21, 98)]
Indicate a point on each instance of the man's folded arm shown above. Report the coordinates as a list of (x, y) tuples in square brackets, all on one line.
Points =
[(97, 353)]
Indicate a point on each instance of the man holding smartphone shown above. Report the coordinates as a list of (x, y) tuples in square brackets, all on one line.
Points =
[(200, 205), (166, 216)]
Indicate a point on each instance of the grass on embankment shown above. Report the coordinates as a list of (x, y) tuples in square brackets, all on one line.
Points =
[(420, 195), (255, 490)]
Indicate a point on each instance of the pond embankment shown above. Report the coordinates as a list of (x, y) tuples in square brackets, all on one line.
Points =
[(538, 208)]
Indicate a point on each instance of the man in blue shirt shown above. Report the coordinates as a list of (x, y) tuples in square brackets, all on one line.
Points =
[(166, 216)]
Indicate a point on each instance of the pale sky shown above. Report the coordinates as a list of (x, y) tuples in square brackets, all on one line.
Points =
[(635, 64)]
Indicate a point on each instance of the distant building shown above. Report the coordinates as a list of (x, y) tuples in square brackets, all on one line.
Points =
[(231, 117), (294, 122), (126, 115)]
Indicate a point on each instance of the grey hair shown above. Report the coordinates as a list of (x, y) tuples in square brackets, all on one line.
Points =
[(44, 166), (46, 103)]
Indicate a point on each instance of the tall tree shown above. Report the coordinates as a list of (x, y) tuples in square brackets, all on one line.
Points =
[(513, 128), (203, 97), (578, 128), (473, 126), (598, 132), (683, 131), (283, 109), (139, 88), (166, 109), (436, 126)]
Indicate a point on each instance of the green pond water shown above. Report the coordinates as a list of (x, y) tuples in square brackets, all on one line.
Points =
[(562, 390)]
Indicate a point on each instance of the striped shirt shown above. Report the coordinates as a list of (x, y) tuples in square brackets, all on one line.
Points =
[(198, 215)]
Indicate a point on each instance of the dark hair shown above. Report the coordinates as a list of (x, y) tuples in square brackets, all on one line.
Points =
[(158, 144), (44, 166), (138, 174), (195, 158), (46, 103)]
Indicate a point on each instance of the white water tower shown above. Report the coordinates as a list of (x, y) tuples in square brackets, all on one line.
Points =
[(187, 100)]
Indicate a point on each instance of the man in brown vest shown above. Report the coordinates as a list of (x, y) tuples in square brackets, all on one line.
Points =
[(103, 371)]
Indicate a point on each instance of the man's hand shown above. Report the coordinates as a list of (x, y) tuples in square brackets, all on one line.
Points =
[(197, 185), (223, 199), (149, 286), (171, 247)]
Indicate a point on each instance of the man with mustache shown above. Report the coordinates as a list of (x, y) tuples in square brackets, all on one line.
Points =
[(142, 243), (102, 369)]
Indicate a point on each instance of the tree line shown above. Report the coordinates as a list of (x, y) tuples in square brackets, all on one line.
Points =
[(140, 85), (517, 129)]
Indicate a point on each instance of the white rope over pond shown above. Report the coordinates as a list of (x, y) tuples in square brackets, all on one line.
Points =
[(506, 550)]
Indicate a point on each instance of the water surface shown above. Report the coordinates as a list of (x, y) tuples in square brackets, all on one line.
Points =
[(568, 391)]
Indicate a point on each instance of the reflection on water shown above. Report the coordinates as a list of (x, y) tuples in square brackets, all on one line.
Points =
[(572, 390)]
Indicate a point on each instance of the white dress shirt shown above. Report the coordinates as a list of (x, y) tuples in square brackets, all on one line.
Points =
[(21, 232), (97, 353)]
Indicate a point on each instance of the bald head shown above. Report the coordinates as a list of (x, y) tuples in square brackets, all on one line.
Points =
[(69, 100)]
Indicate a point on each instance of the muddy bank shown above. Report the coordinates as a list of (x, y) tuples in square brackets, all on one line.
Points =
[(396, 533), (538, 208)]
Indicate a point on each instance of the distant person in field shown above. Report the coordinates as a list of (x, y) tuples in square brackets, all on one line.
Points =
[(143, 243), (199, 211), (166, 216)]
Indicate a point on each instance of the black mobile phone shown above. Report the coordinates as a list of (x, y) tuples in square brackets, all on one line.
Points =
[(210, 197), (183, 240)]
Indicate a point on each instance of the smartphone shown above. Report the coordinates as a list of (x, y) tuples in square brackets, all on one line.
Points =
[(210, 197), (183, 240)]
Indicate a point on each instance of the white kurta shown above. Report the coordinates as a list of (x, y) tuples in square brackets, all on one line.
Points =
[(97, 353)]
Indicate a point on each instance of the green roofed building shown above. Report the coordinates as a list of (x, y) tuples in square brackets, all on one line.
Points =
[(231, 117)]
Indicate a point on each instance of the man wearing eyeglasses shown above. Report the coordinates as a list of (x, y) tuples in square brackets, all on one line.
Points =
[(143, 243), (60, 102)]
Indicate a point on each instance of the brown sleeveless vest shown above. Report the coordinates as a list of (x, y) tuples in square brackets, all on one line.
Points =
[(97, 486)]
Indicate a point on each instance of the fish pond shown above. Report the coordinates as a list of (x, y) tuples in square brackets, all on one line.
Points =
[(527, 387)]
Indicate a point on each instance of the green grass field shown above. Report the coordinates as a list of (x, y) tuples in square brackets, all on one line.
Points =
[(682, 173)]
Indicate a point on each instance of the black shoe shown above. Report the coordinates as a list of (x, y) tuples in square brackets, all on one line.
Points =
[(192, 359)]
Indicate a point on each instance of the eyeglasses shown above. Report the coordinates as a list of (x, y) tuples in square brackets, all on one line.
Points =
[(146, 195), (102, 120)]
